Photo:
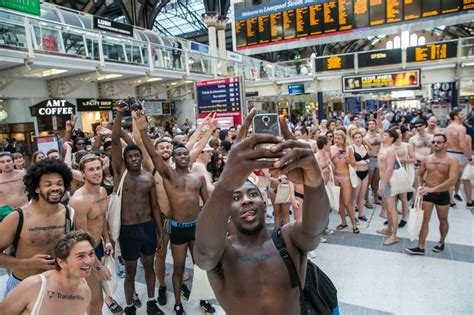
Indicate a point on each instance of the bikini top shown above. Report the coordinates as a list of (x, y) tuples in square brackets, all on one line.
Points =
[(358, 157)]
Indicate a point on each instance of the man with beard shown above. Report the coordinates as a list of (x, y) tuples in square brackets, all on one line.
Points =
[(183, 189), (245, 269), (438, 173), (90, 202), (12, 189), (65, 287), (33, 228), (140, 218), (433, 128)]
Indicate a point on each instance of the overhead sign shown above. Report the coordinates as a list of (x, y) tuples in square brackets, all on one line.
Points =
[(221, 96), (430, 52), (94, 105), (382, 81), (27, 6), (102, 24), (53, 107), (379, 58), (284, 21), (199, 47), (296, 89), (336, 62)]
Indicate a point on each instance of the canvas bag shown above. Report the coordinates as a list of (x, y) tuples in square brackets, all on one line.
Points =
[(114, 210), (201, 289), (283, 192), (398, 181), (415, 219), (468, 173), (110, 286), (332, 191)]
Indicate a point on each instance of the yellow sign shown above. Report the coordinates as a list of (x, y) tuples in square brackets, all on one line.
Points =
[(334, 62), (431, 52)]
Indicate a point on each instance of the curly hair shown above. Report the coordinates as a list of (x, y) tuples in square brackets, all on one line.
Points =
[(46, 166)]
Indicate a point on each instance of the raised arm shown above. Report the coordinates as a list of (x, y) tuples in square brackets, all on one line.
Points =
[(194, 152), (380, 118), (197, 133), (211, 229), (301, 167), (161, 166), (117, 160), (69, 128), (147, 163)]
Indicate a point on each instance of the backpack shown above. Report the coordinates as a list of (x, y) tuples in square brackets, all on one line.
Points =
[(319, 295), (68, 227)]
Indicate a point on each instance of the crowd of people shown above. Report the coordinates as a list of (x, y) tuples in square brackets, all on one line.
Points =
[(206, 190)]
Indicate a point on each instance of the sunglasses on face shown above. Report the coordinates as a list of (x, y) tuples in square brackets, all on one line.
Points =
[(437, 142)]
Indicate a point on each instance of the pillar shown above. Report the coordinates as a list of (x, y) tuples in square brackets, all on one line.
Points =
[(211, 19), (221, 25)]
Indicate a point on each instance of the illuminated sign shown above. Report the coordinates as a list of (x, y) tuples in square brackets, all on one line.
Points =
[(429, 52), (296, 89), (382, 81), (332, 63), (379, 58)]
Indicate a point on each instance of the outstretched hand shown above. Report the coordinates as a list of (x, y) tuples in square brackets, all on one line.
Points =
[(140, 119), (71, 123)]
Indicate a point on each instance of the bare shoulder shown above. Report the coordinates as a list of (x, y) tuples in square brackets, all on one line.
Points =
[(79, 201)]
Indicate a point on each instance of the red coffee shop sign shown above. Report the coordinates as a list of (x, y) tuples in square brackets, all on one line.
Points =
[(53, 107)]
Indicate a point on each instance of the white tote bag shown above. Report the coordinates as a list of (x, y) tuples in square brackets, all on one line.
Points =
[(283, 194), (332, 191), (355, 180), (201, 289), (109, 287), (114, 210), (399, 180), (410, 168), (468, 173), (415, 219)]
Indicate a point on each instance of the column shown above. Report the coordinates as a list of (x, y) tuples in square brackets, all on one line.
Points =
[(221, 24), (211, 19)]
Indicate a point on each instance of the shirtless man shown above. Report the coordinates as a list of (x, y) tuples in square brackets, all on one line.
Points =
[(456, 134), (90, 202), (372, 140), (387, 163), (12, 189), (140, 218), (441, 171), (433, 128), (200, 166), (245, 269), (323, 157), (183, 189), (62, 290), (44, 220), (421, 143)]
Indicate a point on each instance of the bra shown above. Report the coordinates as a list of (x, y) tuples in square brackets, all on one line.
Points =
[(358, 157)]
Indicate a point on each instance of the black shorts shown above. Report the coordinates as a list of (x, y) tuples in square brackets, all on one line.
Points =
[(438, 198), (182, 232), (99, 251), (137, 239)]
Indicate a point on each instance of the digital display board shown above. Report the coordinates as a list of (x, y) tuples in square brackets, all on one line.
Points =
[(379, 58), (302, 22), (280, 21), (430, 52), (377, 12), (334, 63), (394, 11), (296, 89), (346, 15), (221, 96), (361, 13), (382, 81)]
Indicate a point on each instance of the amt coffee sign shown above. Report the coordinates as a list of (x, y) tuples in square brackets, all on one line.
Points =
[(53, 107)]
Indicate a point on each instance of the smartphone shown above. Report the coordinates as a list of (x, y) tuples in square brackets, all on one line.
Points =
[(266, 124)]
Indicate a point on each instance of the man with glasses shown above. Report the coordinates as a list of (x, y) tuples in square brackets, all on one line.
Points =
[(457, 148), (421, 142), (440, 173)]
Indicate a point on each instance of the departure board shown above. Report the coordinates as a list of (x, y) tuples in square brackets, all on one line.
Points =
[(346, 15), (241, 33), (252, 32), (361, 13), (316, 18), (394, 11), (276, 27), (430, 52), (302, 22), (330, 16), (289, 27), (379, 58), (430, 8), (264, 35), (278, 21), (334, 63), (377, 12), (450, 6)]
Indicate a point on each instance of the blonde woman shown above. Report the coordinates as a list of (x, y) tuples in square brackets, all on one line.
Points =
[(359, 158), (341, 160)]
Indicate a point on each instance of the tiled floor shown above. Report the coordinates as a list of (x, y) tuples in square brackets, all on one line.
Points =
[(375, 279)]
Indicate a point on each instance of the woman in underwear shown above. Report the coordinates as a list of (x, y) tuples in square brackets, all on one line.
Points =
[(341, 161), (359, 158)]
